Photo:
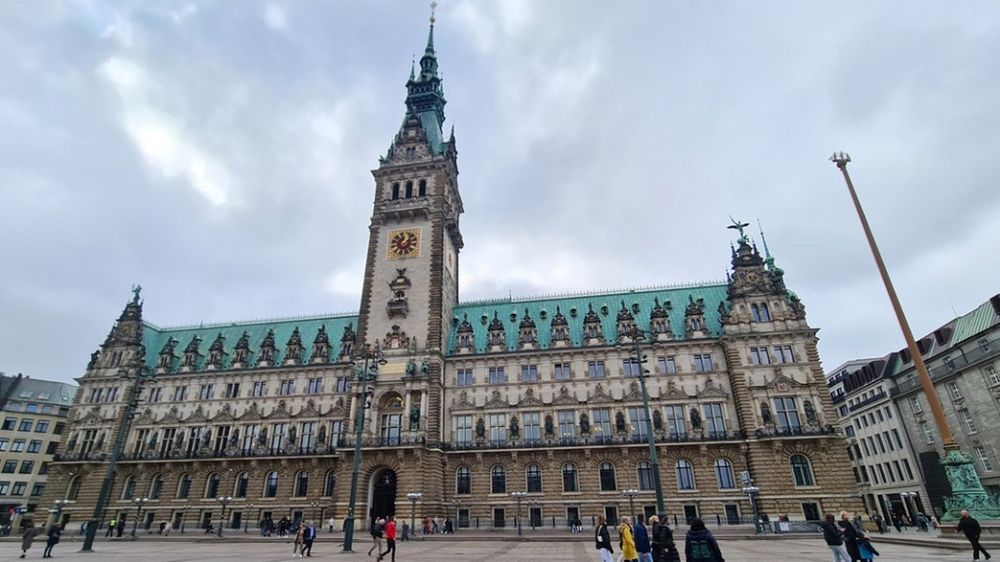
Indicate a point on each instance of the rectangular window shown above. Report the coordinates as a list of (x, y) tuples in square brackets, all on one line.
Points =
[(9, 466), (630, 368), (497, 375), (954, 391), (51, 449), (970, 425), (532, 426), (567, 424), (899, 469), (529, 373), (3, 444), (155, 394), (25, 424), (17, 446), (562, 371), (787, 413), (703, 363), (250, 433), (909, 472), (637, 419), (760, 356), (993, 375), (233, 390), (928, 435), (715, 424), (336, 432), (389, 432), (37, 490), (464, 377), (278, 432), (881, 473), (259, 389), (878, 414), (881, 445), (9, 423), (984, 460), (206, 392), (666, 365), (34, 446), (784, 354), (595, 369), (498, 428), (180, 393), (888, 441), (4, 488), (676, 424), (286, 387), (915, 406), (463, 430), (18, 489), (343, 384), (602, 423), (308, 440), (314, 385), (888, 413), (27, 467), (865, 445), (42, 426)]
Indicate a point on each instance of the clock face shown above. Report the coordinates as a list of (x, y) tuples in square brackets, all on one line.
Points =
[(404, 243)]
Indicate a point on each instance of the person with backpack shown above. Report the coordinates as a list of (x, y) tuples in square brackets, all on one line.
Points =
[(664, 549), (378, 527), (602, 540), (700, 545), (834, 538), (54, 533)]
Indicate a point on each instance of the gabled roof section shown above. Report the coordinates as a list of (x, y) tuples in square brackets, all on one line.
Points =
[(574, 307), (45, 392)]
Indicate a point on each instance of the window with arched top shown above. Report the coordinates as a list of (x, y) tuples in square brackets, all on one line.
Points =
[(409, 189), (271, 484), (645, 471), (395, 190), (128, 488), (184, 486), (212, 485), (463, 480), (329, 483), (802, 471), (155, 487), (533, 476), (685, 475), (422, 192), (242, 485), (724, 474), (571, 482), (73, 490), (606, 472), (301, 484), (498, 480)]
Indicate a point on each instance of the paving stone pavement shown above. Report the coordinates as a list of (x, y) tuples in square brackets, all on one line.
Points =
[(443, 550)]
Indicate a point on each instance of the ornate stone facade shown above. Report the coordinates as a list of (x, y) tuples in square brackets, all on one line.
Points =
[(474, 400)]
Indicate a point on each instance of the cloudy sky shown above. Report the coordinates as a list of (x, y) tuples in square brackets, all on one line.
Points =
[(219, 153)]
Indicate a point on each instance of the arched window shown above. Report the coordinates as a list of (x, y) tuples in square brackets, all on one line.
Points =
[(754, 313), (184, 486), (645, 476), (301, 484), (409, 189), (685, 475), (802, 471), (242, 485), (607, 476), (271, 485), (329, 483), (724, 474), (395, 190), (212, 486), (498, 480), (73, 490), (128, 489), (155, 487), (533, 474), (765, 314), (423, 188), (463, 480), (570, 479)]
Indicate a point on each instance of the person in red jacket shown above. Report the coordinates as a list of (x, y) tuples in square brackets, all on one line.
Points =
[(390, 539)]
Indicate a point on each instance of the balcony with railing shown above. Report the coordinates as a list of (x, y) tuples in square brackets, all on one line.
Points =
[(604, 440), (950, 367)]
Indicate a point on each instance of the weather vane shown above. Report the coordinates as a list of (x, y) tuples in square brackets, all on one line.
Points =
[(739, 226), (434, 6)]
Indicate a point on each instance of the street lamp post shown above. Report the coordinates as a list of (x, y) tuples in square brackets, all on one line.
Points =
[(631, 494), (183, 511), (59, 506), (224, 500), (139, 373), (246, 520), (139, 502), (519, 496), (636, 334), (366, 375), (752, 492), (967, 489), (414, 497)]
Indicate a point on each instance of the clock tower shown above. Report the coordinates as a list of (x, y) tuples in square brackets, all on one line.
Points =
[(411, 275)]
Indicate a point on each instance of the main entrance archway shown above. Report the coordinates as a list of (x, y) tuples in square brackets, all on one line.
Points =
[(383, 494)]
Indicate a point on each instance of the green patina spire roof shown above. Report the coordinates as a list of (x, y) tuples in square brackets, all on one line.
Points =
[(425, 96)]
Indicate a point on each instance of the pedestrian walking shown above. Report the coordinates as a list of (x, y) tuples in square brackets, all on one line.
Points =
[(330, 525), (970, 527), (896, 523), (167, 528), (28, 535), (642, 545), (298, 542), (866, 551), (602, 540), (700, 545), (626, 540), (390, 539), (378, 528), (850, 535), (834, 538), (308, 536), (54, 533), (664, 549)]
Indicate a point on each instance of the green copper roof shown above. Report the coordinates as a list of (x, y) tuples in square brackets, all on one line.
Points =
[(639, 302), (154, 338), (974, 322)]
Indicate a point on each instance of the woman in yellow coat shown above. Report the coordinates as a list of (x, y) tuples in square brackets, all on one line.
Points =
[(629, 553)]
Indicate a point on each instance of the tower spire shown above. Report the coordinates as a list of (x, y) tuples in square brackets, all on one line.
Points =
[(429, 50)]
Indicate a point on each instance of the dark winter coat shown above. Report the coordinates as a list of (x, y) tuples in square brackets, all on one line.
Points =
[(664, 549), (832, 535), (850, 539), (602, 539), (641, 538), (970, 527), (700, 546)]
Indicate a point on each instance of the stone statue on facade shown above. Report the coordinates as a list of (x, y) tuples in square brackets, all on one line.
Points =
[(414, 418), (514, 429), (584, 424), (620, 422), (695, 418), (425, 368), (765, 414), (480, 428), (810, 412), (411, 368)]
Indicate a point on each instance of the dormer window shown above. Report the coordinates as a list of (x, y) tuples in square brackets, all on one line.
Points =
[(760, 313)]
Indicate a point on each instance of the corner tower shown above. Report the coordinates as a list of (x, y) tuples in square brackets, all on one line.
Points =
[(411, 275)]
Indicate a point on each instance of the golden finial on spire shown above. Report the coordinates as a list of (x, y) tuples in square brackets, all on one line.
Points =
[(434, 6)]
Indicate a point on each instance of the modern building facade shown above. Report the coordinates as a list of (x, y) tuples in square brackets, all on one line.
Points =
[(475, 400), (33, 414), (882, 460)]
